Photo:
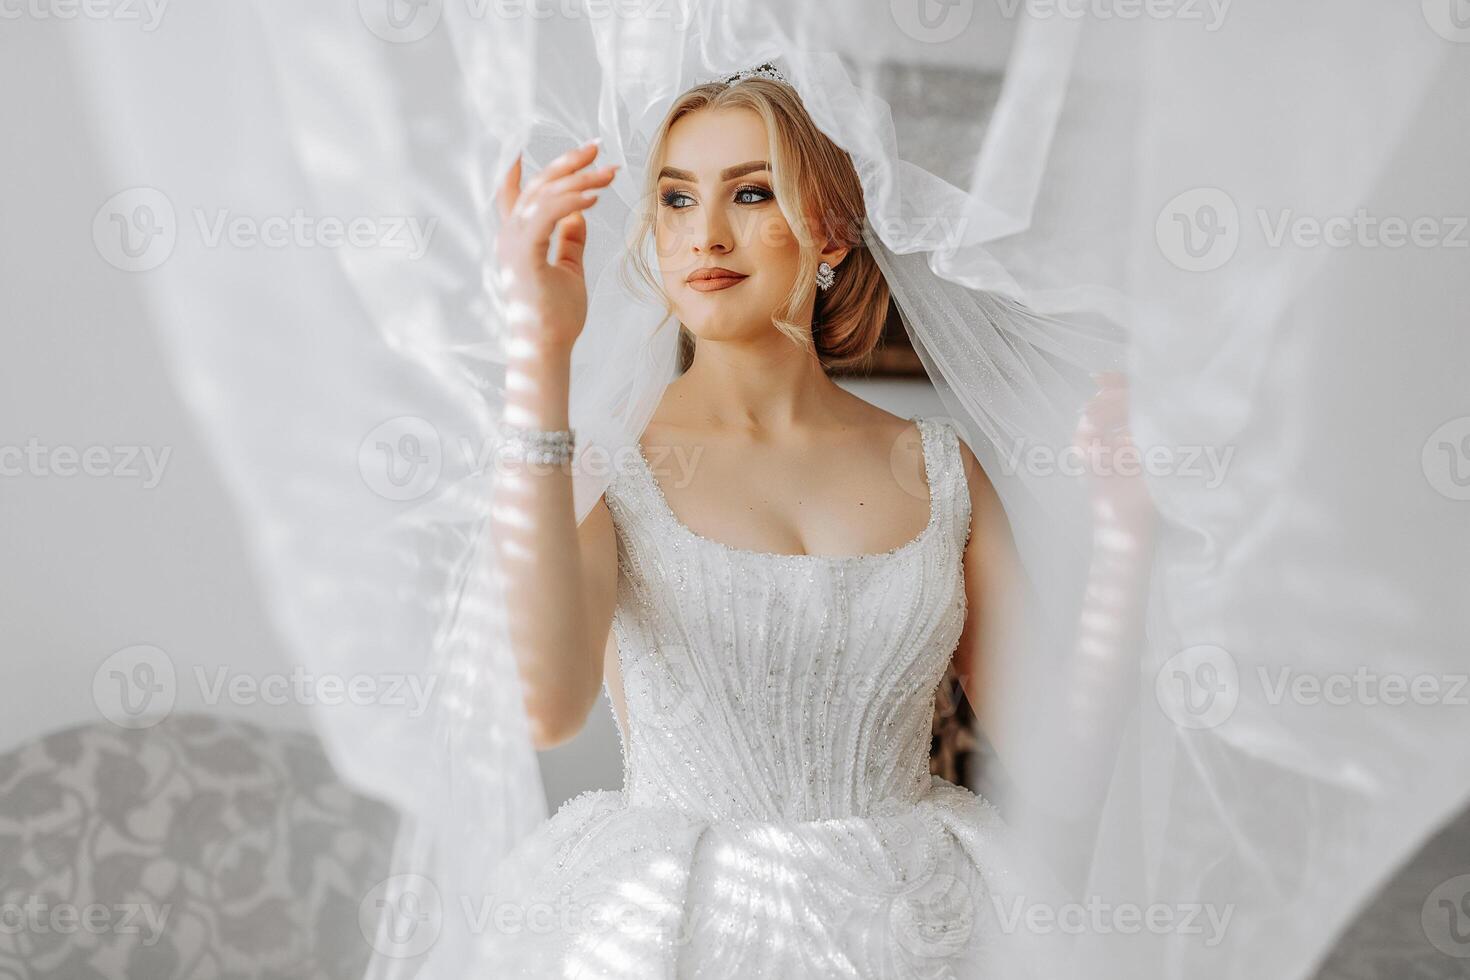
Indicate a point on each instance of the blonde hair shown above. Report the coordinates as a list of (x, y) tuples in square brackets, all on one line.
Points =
[(818, 191)]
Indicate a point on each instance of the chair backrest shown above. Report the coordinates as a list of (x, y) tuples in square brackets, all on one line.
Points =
[(198, 847)]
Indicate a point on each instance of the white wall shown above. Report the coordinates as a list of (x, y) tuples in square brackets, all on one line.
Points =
[(90, 565)]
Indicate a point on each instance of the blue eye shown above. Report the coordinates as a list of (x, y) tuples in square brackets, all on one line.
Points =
[(763, 194), (670, 197)]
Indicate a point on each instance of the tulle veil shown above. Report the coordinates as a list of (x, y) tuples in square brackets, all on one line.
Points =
[(1110, 205)]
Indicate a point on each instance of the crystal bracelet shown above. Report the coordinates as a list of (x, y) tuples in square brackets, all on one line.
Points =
[(536, 445)]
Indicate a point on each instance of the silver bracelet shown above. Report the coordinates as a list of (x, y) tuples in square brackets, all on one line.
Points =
[(535, 445)]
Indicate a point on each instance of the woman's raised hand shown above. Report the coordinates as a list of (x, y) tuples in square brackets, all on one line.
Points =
[(538, 250)]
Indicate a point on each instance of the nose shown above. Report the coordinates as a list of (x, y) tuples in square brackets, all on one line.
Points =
[(712, 232)]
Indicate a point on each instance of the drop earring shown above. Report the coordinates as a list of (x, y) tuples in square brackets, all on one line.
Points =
[(825, 276)]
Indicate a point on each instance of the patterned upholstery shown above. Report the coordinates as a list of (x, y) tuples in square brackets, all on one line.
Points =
[(1391, 940), (199, 848)]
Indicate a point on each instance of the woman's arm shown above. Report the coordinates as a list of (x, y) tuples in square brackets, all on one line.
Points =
[(1092, 684), (559, 578), (1000, 605)]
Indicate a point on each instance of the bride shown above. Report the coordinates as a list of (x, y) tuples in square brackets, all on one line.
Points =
[(770, 590)]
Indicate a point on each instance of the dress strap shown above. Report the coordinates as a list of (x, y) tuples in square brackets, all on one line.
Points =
[(949, 489), (632, 495)]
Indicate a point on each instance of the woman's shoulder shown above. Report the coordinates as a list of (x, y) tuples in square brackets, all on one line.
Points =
[(880, 424)]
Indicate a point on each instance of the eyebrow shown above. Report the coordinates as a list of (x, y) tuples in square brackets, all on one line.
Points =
[(729, 173)]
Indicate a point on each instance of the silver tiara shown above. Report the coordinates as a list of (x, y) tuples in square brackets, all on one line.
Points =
[(766, 70)]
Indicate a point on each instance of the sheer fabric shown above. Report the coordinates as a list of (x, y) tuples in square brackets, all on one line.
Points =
[(1129, 184)]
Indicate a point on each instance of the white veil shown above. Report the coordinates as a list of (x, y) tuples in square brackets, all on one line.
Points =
[(1123, 180)]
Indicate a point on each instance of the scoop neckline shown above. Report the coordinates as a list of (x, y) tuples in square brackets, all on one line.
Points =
[(925, 437)]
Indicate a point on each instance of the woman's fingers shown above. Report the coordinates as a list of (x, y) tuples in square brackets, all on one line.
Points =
[(563, 189), (581, 180), (549, 206), (569, 241), (573, 159), (553, 202), (540, 217), (510, 190)]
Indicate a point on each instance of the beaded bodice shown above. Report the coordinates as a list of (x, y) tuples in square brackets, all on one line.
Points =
[(763, 686)]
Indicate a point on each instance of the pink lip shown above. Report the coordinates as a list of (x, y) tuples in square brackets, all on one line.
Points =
[(718, 282)]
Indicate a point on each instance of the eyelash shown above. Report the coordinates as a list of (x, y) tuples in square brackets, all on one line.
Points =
[(668, 197)]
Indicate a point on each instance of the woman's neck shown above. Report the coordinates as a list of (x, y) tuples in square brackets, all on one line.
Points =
[(763, 385)]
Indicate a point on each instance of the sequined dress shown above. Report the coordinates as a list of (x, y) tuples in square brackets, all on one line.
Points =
[(778, 818)]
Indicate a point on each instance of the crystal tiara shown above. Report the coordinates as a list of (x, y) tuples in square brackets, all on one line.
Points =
[(766, 70)]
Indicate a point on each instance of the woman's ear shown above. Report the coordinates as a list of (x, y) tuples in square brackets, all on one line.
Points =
[(833, 254)]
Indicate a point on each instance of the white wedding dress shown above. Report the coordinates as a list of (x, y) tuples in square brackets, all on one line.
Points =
[(778, 817)]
